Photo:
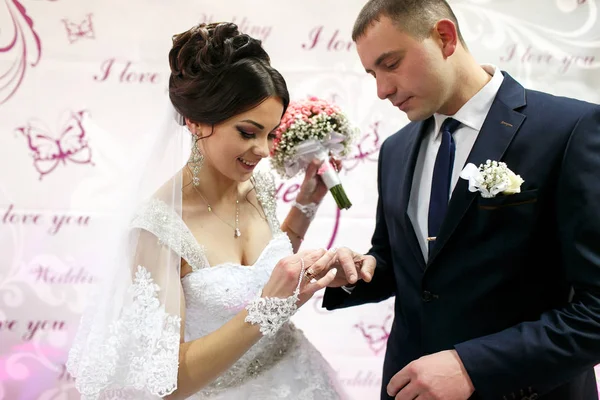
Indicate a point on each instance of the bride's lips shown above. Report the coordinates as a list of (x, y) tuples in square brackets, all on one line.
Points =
[(245, 164)]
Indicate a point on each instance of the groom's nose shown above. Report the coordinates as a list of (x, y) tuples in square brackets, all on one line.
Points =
[(385, 87)]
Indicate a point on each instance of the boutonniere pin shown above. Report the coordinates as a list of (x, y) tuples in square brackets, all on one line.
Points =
[(491, 178)]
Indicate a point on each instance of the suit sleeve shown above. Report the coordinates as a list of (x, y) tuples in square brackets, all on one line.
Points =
[(383, 284), (564, 342)]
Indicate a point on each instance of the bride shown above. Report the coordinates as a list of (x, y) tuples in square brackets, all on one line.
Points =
[(199, 299)]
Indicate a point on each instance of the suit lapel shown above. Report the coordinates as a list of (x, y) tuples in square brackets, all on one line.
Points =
[(411, 154), (497, 132)]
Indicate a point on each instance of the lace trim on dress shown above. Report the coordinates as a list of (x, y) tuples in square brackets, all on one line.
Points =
[(158, 218), (265, 193), (141, 350)]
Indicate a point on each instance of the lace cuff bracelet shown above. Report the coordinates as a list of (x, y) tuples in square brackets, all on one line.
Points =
[(309, 210), (271, 313)]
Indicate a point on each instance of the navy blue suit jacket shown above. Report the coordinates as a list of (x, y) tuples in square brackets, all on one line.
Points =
[(513, 283)]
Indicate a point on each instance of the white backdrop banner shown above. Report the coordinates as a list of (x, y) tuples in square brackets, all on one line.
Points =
[(65, 62)]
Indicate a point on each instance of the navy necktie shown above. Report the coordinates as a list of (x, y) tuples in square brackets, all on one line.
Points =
[(440, 182)]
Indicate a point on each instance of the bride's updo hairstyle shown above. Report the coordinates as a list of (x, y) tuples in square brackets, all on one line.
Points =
[(218, 72)]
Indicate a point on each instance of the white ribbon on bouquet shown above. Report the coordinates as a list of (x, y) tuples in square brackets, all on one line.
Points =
[(312, 149)]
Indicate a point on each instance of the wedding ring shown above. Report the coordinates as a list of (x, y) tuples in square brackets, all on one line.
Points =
[(310, 275)]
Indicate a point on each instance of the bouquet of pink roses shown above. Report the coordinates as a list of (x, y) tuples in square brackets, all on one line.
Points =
[(313, 129)]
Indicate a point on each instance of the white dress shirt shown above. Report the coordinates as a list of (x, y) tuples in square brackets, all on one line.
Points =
[(471, 115)]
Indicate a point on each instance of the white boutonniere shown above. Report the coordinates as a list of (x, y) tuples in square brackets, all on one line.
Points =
[(492, 178)]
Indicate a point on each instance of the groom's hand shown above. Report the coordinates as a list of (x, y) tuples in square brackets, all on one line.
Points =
[(351, 267), (434, 377)]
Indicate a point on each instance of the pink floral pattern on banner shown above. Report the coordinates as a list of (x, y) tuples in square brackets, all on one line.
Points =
[(82, 30), (366, 148), (22, 45), (48, 152), (376, 335)]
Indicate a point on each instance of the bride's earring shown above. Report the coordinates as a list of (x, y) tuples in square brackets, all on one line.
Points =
[(195, 162)]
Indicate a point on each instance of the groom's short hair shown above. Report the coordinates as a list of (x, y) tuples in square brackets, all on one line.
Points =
[(414, 17)]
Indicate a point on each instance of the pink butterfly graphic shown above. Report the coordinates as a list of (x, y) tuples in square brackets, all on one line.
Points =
[(367, 148), (49, 152), (79, 31), (376, 335)]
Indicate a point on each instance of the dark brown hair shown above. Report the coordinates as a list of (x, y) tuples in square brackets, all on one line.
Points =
[(415, 17), (218, 72)]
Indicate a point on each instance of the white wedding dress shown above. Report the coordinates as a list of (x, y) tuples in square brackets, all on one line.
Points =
[(286, 366)]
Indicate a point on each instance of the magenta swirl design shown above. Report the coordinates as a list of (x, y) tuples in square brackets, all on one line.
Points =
[(20, 48)]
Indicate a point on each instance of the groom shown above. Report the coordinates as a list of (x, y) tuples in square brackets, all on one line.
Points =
[(498, 297)]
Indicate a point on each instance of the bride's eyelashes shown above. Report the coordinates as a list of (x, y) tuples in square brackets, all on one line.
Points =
[(246, 135), (249, 135)]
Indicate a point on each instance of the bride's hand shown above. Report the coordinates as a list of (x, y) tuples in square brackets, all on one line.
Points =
[(313, 189), (286, 274), (318, 276)]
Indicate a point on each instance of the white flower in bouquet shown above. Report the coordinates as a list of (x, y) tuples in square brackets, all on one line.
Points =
[(313, 129)]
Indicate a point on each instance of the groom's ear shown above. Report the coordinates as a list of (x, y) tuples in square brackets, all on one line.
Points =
[(446, 34)]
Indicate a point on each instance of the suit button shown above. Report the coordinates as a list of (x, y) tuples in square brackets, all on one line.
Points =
[(427, 296)]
